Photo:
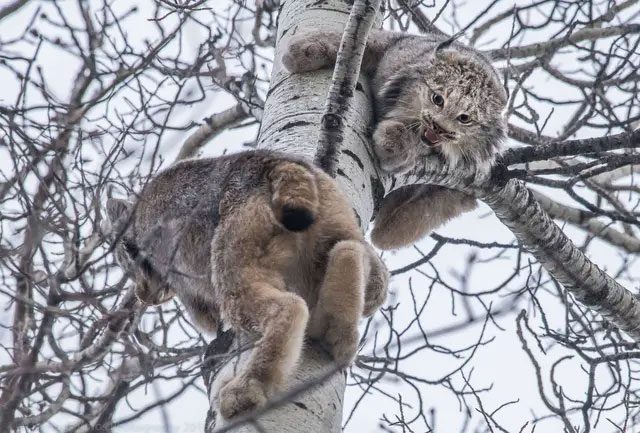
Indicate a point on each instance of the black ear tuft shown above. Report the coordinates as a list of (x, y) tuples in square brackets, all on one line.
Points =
[(296, 219)]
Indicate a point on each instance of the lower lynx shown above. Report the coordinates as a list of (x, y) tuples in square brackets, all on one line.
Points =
[(263, 243), (431, 97)]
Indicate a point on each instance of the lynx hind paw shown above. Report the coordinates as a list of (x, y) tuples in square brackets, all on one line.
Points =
[(338, 338), (341, 342), (377, 287), (374, 300), (462, 202), (241, 395), (399, 232), (388, 238), (306, 53)]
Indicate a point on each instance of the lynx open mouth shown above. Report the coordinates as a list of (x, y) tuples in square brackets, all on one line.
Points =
[(434, 134)]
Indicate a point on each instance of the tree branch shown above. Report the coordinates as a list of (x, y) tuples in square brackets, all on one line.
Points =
[(571, 148), (517, 208), (11, 8), (582, 35), (418, 17), (213, 125), (586, 220), (343, 82)]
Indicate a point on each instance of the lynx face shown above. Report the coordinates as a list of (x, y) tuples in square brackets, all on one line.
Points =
[(453, 108)]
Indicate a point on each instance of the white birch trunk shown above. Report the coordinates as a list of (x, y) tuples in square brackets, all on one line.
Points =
[(312, 402), (295, 104)]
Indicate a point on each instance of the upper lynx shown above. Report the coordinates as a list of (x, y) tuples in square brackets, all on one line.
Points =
[(431, 95), (263, 242)]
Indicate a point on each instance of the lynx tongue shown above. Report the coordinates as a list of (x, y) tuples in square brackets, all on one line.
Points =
[(431, 136)]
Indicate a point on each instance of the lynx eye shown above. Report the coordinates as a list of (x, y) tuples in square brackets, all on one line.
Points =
[(437, 99), (464, 118)]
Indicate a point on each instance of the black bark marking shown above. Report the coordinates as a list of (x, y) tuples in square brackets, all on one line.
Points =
[(354, 157), (294, 124), (211, 359), (301, 405), (377, 194), (596, 297)]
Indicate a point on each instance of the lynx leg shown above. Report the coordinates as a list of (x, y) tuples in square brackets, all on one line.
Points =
[(280, 317), (393, 144), (335, 318), (377, 282), (247, 252), (410, 213), (203, 311), (151, 293), (310, 51)]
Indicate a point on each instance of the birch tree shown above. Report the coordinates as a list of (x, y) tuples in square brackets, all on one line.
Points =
[(83, 355)]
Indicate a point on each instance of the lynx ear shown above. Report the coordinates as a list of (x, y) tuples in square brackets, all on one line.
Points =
[(118, 208)]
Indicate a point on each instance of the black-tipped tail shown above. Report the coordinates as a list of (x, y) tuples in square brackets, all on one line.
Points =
[(296, 219)]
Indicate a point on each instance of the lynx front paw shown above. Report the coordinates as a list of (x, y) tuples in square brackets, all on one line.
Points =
[(241, 395), (152, 295), (306, 53), (392, 145)]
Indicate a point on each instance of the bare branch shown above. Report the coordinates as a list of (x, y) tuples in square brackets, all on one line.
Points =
[(343, 82), (584, 219), (545, 48), (213, 125)]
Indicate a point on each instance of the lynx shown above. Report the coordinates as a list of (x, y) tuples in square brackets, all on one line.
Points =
[(262, 243), (432, 96)]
